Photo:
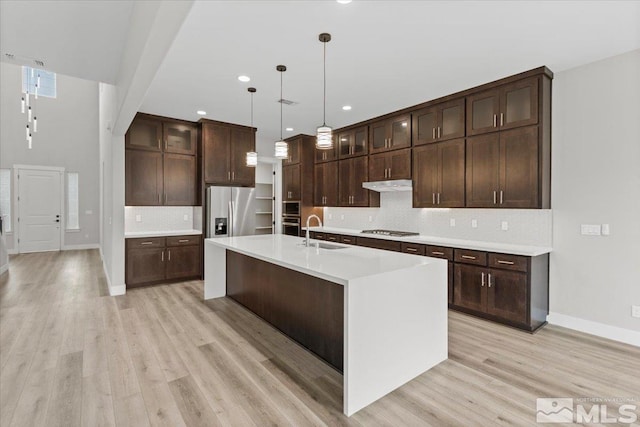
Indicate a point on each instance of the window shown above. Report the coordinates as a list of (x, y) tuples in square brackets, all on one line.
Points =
[(73, 220), (47, 85), (5, 199)]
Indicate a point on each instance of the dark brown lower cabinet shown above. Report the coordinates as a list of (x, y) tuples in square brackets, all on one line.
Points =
[(305, 308), (157, 260)]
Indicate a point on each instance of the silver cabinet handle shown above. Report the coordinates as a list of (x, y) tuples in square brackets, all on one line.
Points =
[(412, 249), (482, 283), (437, 253), (495, 120), (229, 175), (468, 257), (501, 198), (438, 131), (146, 243), (438, 198), (169, 252), (389, 172), (390, 142), (433, 133), (159, 198), (494, 197), (501, 119), (183, 240), (233, 175), (506, 262), (489, 281), (433, 198), (165, 198), (162, 256)]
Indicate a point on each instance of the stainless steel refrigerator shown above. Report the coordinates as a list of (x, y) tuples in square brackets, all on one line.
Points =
[(231, 211)]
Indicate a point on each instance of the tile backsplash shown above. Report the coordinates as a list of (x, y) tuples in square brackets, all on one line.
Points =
[(524, 226), (162, 218)]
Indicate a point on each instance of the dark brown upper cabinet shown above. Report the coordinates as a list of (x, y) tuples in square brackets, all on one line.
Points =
[(294, 152), (439, 122), (143, 178), (351, 174), (291, 182), (503, 169), (438, 175), (505, 107), (224, 151), (391, 165), (390, 134), (180, 138), (325, 190), (353, 142), (144, 133), (328, 155), (179, 180)]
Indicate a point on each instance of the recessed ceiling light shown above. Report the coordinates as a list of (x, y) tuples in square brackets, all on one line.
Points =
[(344, 1), (346, 107), (244, 78), (201, 112), (289, 129)]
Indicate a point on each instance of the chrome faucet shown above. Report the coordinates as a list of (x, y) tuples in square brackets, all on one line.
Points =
[(306, 239)]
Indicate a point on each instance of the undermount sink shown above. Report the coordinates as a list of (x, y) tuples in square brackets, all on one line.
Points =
[(323, 245)]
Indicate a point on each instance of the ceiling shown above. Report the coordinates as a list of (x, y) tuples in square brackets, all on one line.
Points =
[(79, 38), (384, 55)]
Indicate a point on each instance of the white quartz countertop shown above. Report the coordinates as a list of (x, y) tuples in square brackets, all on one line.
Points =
[(132, 234), (335, 265), (504, 248)]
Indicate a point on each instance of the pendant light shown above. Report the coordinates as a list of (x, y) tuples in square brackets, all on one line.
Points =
[(29, 107), (324, 137), (281, 147), (252, 156)]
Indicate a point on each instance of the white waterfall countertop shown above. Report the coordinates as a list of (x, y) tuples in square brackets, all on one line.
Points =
[(165, 233), (335, 265), (477, 245)]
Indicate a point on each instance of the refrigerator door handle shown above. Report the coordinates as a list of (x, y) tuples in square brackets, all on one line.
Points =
[(230, 229)]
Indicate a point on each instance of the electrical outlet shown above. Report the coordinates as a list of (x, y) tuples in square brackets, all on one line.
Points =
[(590, 229), (370, 218), (474, 223), (606, 230), (330, 216), (342, 217), (138, 218), (452, 222), (504, 225), (635, 311), (186, 217)]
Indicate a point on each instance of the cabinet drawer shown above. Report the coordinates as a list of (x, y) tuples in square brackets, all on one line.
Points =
[(349, 240), (183, 240), (388, 245), (440, 252), (414, 248), (318, 236), (332, 237), (509, 262), (470, 257), (151, 242)]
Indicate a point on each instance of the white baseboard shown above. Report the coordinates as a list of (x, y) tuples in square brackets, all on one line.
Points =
[(12, 251), (4, 268), (615, 333), (80, 247)]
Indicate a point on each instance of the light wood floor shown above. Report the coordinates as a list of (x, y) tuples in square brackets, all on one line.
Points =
[(71, 355)]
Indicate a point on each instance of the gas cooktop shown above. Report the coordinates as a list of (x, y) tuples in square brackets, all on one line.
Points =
[(391, 233)]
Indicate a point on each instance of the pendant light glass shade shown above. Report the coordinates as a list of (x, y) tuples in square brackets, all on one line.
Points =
[(281, 147), (252, 156), (324, 137), (282, 150)]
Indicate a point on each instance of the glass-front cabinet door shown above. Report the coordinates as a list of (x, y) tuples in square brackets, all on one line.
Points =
[(144, 133), (378, 136), (360, 141), (482, 112), (400, 136), (519, 104), (425, 126), (180, 138)]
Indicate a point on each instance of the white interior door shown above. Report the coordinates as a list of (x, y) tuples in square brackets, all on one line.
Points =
[(40, 210)]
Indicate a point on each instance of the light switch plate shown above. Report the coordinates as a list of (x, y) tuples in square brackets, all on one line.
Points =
[(606, 230), (590, 229), (635, 310), (504, 225), (138, 218), (474, 223), (186, 217), (452, 222), (370, 218), (342, 217)]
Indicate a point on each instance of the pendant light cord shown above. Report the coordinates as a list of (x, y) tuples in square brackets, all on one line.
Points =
[(281, 105), (324, 78)]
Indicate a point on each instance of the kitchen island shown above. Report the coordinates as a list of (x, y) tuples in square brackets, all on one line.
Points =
[(386, 313)]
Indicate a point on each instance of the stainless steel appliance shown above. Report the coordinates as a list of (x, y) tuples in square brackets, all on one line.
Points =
[(291, 218), (231, 211), (391, 233)]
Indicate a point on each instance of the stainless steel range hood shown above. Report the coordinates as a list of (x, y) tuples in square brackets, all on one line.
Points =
[(391, 185)]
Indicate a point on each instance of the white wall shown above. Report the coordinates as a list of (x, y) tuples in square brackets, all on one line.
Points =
[(67, 137), (596, 180)]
